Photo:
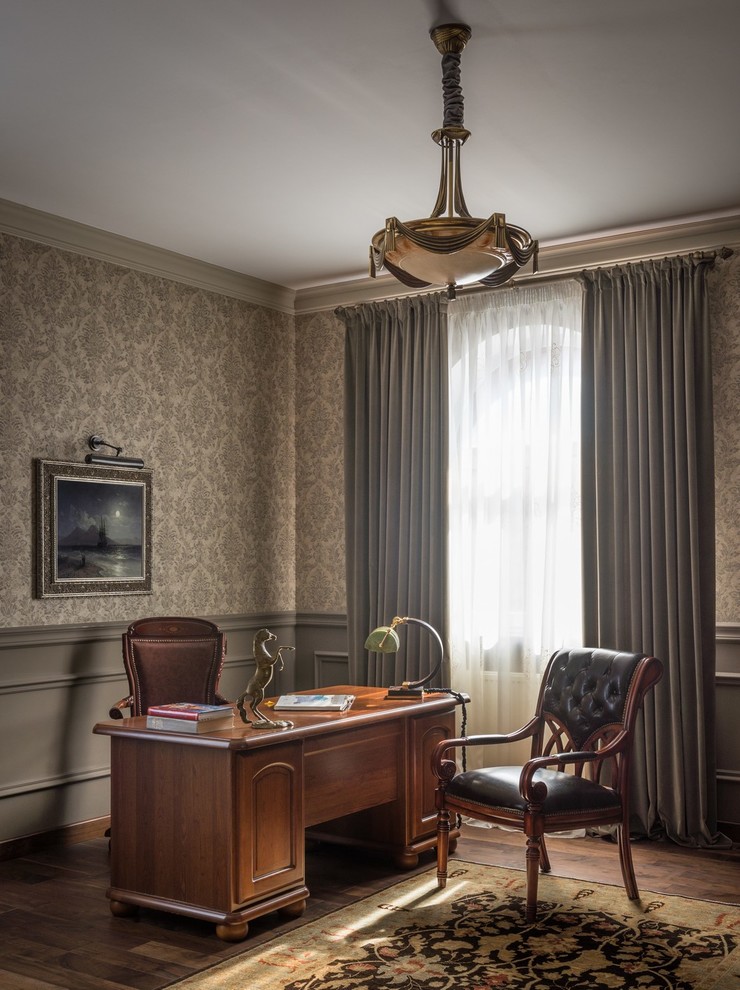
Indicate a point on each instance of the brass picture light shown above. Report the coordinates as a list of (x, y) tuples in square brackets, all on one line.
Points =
[(95, 443)]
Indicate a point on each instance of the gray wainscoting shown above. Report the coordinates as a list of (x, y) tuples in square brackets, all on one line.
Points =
[(728, 738), (56, 682)]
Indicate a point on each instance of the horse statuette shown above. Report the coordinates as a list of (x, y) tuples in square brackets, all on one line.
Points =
[(262, 676)]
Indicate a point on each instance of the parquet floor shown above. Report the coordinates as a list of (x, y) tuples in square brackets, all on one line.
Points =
[(56, 930)]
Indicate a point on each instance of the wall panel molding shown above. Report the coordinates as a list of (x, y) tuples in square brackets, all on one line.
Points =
[(330, 667), (56, 780), (57, 683), (728, 632)]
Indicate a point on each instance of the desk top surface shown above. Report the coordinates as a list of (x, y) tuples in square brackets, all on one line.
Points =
[(370, 706)]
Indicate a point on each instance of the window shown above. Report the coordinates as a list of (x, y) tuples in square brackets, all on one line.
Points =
[(514, 491)]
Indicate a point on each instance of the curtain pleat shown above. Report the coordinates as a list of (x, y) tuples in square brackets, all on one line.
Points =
[(396, 479), (648, 521)]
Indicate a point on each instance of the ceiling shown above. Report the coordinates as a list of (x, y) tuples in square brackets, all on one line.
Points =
[(274, 137)]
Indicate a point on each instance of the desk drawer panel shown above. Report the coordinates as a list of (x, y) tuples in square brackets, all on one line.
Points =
[(350, 771)]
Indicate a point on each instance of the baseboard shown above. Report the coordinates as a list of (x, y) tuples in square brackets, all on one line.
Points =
[(26, 845), (731, 830)]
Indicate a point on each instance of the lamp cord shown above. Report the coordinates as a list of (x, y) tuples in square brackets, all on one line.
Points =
[(462, 701)]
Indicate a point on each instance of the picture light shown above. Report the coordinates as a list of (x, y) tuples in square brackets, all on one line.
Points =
[(95, 442)]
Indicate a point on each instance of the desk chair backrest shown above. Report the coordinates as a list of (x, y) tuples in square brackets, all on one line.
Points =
[(173, 659), (587, 697)]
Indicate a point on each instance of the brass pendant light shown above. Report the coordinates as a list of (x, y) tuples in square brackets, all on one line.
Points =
[(451, 248)]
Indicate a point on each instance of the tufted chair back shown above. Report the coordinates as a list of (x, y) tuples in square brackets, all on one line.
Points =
[(578, 775), (171, 659), (583, 705)]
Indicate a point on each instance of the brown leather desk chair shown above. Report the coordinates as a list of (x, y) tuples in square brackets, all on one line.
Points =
[(171, 659), (585, 717)]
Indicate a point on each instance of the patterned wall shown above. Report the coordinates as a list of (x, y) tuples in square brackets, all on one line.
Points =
[(320, 582), (725, 311), (200, 385), (212, 393)]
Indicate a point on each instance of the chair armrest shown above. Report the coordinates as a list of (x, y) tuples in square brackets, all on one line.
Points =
[(536, 791), (117, 710), (220, 700), (445, 769)]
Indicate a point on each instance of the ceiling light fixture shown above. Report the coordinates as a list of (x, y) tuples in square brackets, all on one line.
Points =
[(450, 247)]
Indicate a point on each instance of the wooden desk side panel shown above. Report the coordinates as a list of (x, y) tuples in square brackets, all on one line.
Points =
[(269, 803), (424, 733), (171, 821)]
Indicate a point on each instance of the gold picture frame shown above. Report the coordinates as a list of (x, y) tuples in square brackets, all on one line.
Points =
[(94, 532)]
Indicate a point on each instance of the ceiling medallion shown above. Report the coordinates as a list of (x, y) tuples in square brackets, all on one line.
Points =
[(450, 248)]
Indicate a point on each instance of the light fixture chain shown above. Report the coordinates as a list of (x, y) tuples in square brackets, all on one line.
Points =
[(452, 91)]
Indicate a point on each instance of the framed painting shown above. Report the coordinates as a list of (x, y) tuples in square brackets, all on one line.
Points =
[(94, 530)]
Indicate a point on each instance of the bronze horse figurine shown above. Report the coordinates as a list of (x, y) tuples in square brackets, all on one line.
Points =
[(262, 676)]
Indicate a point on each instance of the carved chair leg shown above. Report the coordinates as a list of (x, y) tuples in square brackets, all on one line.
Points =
[(625, 862), (443, 845), (533, 873), (544, 858)]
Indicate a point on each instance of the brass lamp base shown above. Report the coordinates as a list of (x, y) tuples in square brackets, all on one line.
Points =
[(405, 691)]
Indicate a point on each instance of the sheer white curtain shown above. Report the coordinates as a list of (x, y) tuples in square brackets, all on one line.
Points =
[(514, 491)]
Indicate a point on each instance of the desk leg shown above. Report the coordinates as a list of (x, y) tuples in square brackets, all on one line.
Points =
[(232, 933)]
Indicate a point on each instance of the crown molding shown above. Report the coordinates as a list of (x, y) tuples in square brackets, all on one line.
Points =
[(558, 258), (555, 257), (69, 235)]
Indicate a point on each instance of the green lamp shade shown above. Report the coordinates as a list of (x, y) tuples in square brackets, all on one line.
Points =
[(384, 639)]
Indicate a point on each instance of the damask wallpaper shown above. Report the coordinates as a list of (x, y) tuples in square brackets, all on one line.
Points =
[(725, 312), (320, 584), (237, 409), (202, 386)]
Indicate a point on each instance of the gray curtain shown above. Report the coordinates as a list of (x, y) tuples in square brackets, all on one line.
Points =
[(396, 481), (648, 518)]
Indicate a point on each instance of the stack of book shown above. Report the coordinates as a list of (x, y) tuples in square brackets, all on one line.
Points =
[(184, 716)]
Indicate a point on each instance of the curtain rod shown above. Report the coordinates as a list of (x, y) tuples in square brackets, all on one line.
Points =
[(560, 275), (564, 274)]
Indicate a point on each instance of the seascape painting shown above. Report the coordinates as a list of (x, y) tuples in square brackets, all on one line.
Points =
[(100, 530), (94, 530)]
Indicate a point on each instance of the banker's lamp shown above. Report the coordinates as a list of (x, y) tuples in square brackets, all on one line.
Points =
[(385, 639)]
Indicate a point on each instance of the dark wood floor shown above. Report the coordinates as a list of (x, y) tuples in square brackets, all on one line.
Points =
[(56, 930)]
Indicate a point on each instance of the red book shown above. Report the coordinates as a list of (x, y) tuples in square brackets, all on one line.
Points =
[(189, 711)]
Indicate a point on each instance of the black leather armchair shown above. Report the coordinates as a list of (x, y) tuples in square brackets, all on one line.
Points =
[(585, 719)]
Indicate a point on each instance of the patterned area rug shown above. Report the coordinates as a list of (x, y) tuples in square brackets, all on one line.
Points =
[(472, 936)]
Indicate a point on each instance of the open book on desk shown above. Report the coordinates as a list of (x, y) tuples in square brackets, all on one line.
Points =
[(314, 702)]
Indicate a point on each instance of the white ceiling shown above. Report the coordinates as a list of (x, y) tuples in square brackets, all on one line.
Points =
[(273, 137)]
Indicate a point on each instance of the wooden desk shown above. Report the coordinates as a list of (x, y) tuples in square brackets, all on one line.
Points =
[(212, 825)]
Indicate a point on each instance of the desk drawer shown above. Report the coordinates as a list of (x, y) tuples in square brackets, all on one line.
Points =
[(350, 771)]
